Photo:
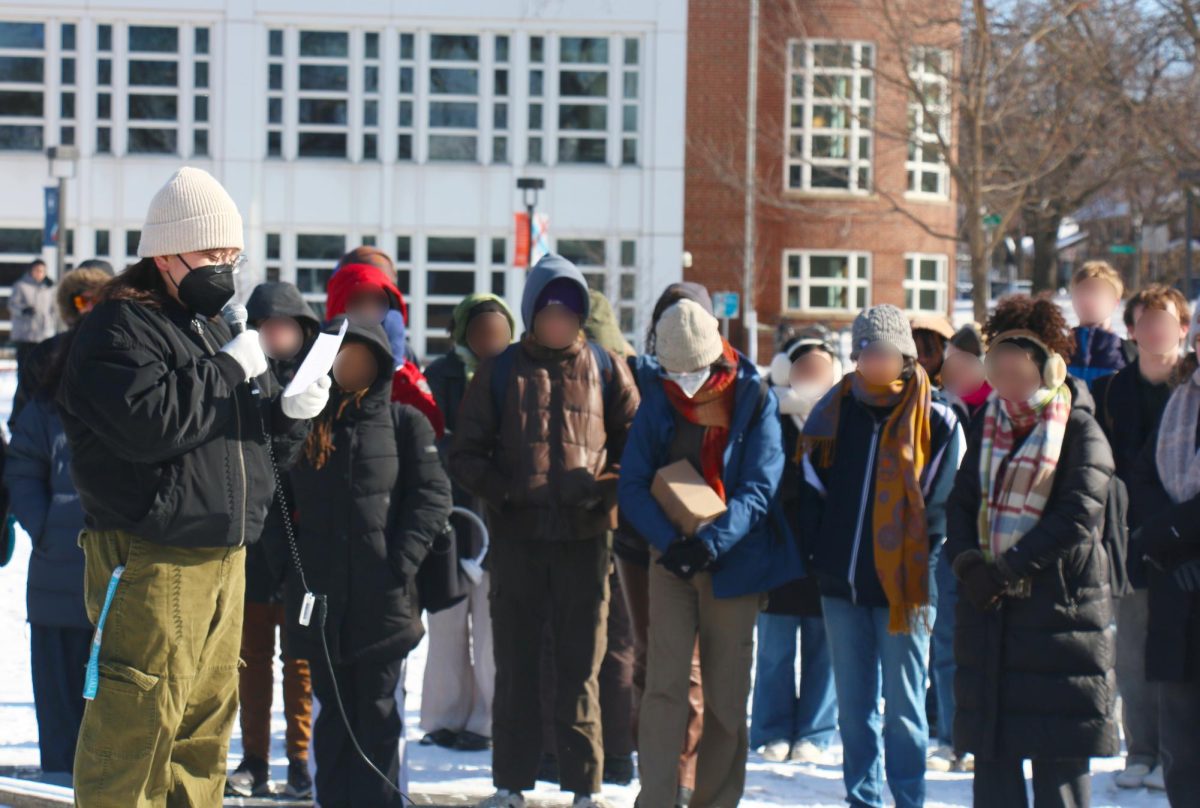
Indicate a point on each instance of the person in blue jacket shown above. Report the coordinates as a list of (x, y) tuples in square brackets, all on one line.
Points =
[(45, 502), (704, 402), (879, 464)]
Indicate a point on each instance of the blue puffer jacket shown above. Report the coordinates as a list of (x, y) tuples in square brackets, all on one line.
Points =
[(754, 548), (44, 500), (837, 503), (1098, 352)]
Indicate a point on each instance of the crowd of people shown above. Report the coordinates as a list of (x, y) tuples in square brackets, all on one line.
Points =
[(965, 545)]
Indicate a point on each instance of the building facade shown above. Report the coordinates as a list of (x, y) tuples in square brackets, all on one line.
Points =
[(403, 125), (852, 203)]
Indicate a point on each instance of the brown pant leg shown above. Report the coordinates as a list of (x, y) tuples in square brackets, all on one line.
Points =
[(695, 725), (297, 694), (257, 680)]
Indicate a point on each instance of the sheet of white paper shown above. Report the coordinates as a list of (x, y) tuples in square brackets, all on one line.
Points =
[(318, 362)]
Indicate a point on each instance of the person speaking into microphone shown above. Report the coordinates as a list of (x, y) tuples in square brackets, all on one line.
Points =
[(172, 421)]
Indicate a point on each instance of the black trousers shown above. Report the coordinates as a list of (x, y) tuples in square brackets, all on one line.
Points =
[(58, 657), (1179, 741), (1057, 783), (369, 693)]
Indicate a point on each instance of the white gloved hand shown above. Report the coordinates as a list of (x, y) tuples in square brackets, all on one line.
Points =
[(247, 352), (309, 403)]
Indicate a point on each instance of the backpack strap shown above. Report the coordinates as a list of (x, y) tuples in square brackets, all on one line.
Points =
[(605, 365)]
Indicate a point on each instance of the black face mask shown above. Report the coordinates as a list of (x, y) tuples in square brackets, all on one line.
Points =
[(206, 290)]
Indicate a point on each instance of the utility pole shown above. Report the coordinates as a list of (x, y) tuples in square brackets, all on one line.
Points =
[(750, 310)]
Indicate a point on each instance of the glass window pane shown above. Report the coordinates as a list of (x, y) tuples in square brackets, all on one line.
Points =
[(103, 37), (587, 50), (406, 79), (501, 82), (321, 144), (274, 110), (860, 298), (200, 75), (459, 148), (201, 40), (833, 55), (537, 46), (371, 45), (323, 110), (535, 116), (104, 72), (628, 285), (153, 74), (931, 182), (500, 116), (102, 237), (200, 143), (828, 297), (20, 104), (132, 237), (628, 253), (406, 46), (323, 77), (831, 87), (324, 43), (629, 118), (582, 252), (450, 249), (272, 245), (450, 283), (830, 177), (153, 107), (153, 39), (370, 146), (535, 82), (583, 83), (68, 36), (275, 42), (24, 69), (534, 150), (453, 81), (67, 105), (406, 113), (370, 79), (103, 140), (153, 141), (455, 114), (454, 48), (501, 48), (370, 113), (583, 116), (793, 297), (862, 267), (498, 251), (319, 247), (628, 152), (274, 144), (929, 270), (68, 71), (404, 147), (830, 117), (929, 299), (828, 266), (630, 88), (20, 138), (830, 146), (26, 35), (581, 150), (631, 51), (313, 280), (275, 77), (498, 284), (499, 149)]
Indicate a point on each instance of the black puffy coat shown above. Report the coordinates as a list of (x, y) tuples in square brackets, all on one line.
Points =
[(1035, 677), (167, 440), (801, 597), (365, 521)]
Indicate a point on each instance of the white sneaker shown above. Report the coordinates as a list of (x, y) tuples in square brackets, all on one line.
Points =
[(1155, 779), (503, 799), (963, 763), (776, 751), (589, 801), (940, 759), (1134, 776), (809, 752)]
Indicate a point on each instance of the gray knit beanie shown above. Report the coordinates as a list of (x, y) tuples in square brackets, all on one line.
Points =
[(689, 338), (191, 213), (882, 323)]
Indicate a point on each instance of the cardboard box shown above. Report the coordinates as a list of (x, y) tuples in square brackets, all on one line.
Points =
[(687, 500)]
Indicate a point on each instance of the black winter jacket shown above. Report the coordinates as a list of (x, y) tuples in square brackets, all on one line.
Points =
[(1035, 677), (168, 442), (447, 377), (365, 521), (801, 597)]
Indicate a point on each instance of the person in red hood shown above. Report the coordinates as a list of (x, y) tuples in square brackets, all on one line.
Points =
[(364, 285)]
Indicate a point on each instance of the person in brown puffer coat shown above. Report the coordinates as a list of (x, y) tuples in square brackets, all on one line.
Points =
[(540, 432)]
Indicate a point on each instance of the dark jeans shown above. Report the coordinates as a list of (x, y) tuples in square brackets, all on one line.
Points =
[(1060, 783), (564, 583), (1179, 740), (372, 696), (58, 657)]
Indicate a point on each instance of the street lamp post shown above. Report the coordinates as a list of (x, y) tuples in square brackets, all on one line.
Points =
[(529, 188), (62, 167)]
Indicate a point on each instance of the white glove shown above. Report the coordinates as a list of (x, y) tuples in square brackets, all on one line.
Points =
[(247, 352), (309, 403)]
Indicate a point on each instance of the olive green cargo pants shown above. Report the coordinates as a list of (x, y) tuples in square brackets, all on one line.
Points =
[(157, 733)]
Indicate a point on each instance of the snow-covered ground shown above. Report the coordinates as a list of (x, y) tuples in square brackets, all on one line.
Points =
[(442, 772)]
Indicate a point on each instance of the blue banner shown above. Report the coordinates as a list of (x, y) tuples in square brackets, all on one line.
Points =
[(50, 228)]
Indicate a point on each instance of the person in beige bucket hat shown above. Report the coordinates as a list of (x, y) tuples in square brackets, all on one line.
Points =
[(172, 421)]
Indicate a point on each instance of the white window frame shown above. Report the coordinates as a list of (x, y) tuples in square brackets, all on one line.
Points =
[(184, 90), (298, 63), (805, 283), (611, 67), (403, 96), (859, 128), (475, 269), (291, 269), (481, 65), (917, 168), (914, 284), (45, 86)]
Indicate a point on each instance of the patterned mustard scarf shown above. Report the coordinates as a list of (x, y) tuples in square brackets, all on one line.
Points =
[(898, 516)]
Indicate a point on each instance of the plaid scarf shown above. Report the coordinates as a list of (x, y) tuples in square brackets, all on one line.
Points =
[(898, 514), (1175, 455), (1015, 486), (711, 407)]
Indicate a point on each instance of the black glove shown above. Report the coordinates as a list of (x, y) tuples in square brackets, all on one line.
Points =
[(1187, 575), (980, 582), (686, 557)]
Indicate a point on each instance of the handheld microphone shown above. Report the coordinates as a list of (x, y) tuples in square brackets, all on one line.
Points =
[(235, 316)]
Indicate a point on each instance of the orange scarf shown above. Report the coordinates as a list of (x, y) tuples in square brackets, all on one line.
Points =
[(898, 516), (711, 407)]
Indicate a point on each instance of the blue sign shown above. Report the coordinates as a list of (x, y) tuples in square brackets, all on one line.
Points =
[(50, 228), (726, 305)]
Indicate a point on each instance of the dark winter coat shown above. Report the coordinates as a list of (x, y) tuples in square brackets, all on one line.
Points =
[(837, 503), (45, 502), (1119, 413), (267, 560), (1173, 636), (802, 596), (753, 547), (1098, 352), (447, 378), (365, 521), (167, 440), (1035, 677)]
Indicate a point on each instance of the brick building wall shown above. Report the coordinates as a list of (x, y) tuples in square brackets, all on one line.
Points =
[(883, 222)]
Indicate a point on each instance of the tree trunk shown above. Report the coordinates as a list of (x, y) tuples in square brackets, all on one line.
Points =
[(980, 263), (1044, 229)]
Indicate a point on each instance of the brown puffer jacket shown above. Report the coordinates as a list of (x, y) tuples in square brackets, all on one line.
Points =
[(547, 469)]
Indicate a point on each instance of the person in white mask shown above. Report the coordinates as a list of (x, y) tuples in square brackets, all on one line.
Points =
[(790, 723)]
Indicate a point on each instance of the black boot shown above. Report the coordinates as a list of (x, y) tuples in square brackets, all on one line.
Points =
[(252, 778), (299, 782)]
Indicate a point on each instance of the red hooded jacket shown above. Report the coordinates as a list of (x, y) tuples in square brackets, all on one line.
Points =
[(408, 383)]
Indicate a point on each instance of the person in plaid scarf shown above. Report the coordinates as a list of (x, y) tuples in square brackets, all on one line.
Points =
[(1034, 642)]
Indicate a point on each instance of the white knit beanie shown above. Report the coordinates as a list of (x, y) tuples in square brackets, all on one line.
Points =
[(689, 338), (192, 212)]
